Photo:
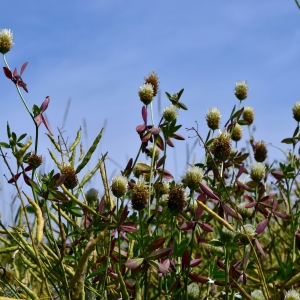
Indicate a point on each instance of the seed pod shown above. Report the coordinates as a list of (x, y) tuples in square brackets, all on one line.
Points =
[(28, 291), (56, 145), (90, 152), (77, 140), (73, 156), (8, 249), (55, 159), (19, 154), (88, 176)]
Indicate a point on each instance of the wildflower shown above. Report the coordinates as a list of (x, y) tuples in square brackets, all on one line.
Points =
[(296, 111), (192, 178), (170, 113), (193, 290), (257, 171), (40, 118), (149, 152), (250, 231), (119, 186), (34, 160), (71, 178), (260, 151), (292, 295), (233, 152), (177, 199), (139, 196), (243, 211), (92, 195), (213, 117), (257, 295), (241, 90), (248, 114), (154, 81), (221, 146), (146, 93), (236, 133), (6, 40)]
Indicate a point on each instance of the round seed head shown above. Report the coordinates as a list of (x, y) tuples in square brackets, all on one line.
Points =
[(146, 93), (237, 133), (193, 290), (139, 195), (260, 151), (154, 81), (296, 111), (257, 171), (6, 40), (257, 295), (292, 295), (71, 177), (248, 114), (243, 211), (241, 90), (192, 177), (177, 199), (221, 146), (119, 186), (92, 195), (34, 160), (250, 230), (170, 113), (226, 235), (213, 118)]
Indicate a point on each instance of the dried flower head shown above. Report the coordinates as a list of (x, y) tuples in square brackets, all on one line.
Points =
[(139, 195), (221, 146), (177, 199), (292, 295), (296, 111), (92, 195), (193, 290), (154, 81), (248, 114), (71, 177), (146, 93), (119, 186), (260, 151), (257, 295), (192, 177), (243, 211), (237, 132), (213, 118), (149, 152), (6, 40), (241, 90), (257, 171), (170, 113), (250, 230), (34, 160)]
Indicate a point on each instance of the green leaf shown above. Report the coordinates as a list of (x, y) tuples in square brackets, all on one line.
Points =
[(75, 211), (232, 246), (21, 137), (183, 106), (30, 209), (168, 95), (4, 145), (296, 131), (216, 243), (179, 249), (180, 93), (243, 122), (287, 141), (96, 272)]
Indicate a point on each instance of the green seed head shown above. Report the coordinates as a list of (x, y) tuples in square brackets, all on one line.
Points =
[(192, 178), (296, 111), (257, 171), (237, 133), (248, 114), (260, 151)]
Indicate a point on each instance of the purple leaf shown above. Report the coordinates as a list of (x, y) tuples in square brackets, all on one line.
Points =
[(198, 278), (155, 131), (187, 225), (23, 68), (160, 162), (7, 72), (208, 192), (160, 143), (46, 124), (45, 104), (156, 244), (259, 247), (297, 234), (240, 172), (185, 260), (243, 186), (178, 136), (262, 226), (60, 179), (195, 262), (134, 263), (124, 215), (231, 212), (170, 143), (140, 128), (144, 114), (205, 227), (129, 164), (159, 253)]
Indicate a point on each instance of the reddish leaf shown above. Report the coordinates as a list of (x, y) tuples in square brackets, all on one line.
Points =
[(140, 128), (146, 137), (155, 131), (170, 143), (160, 162), (240, 172), (231, 212), (45, 104), (166, 175), (7, 73), (195, 262), (160, 267), (205, 227), (178, 136), (124, 215), (60, 179), (129, 164), (187, 225), (101, 205), (262, 226), (23, 68), (208, 192), (281, 215), (15, 178), (134, 263), (46, 124), (174, 285), (159, 253), (259, 247), (144, 114), (252, 204), (185, 260), (160, 143), (277, 175), (243, 186), (297, 234), (156, 244), (198, 278)]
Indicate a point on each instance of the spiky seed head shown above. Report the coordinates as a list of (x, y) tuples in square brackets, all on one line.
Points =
[(226, 235), (119, 186), (156, 152), (139, 197), (243, 211), (248, 114), (257, 295), (241, 90), (292, 295), (260, 151), (176, 199), (213, 118), (92, 195), (34, 160), (146, 93), (296, 111), (257, 171), (71, 177), (170, 113), (221, 146), (192, 178), (164, 200), (237, 132), (154, 81), (6, 40), (193, 290), (250, 230)]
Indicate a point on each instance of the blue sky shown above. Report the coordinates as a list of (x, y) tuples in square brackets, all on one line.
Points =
[(97, 53)]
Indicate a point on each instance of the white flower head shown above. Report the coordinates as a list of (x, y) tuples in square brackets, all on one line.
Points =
[(257, 171), (213, 117), (119, 185), (6, 40), (146, 93), (292, 295), (170, 113), (257, 295)]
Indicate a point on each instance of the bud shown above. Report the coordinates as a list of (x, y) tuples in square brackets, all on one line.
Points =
[(213, 117), (170, 113), (248, 114), (260, 151), (92, 195), (71, 178), (292, 295), (296, 111), (154, 81), (257, 171), (6, 40), (34, 160), (192, 178), (233, 152), (221, 146), (236, 133), (243, 211), (193, 291), (146, 93), (139, 195), (250, 230), (149, 152), (241, 90), (177, 199), (119, 186), (257, 295)]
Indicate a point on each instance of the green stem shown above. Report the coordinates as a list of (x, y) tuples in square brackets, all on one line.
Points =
[(226, 273)]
